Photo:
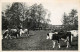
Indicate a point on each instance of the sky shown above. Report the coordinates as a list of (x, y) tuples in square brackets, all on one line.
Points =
[(55, 7)]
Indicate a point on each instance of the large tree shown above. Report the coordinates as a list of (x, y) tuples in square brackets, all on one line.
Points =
[(37, 15), (14, 14), (27, 17), (71, 21)]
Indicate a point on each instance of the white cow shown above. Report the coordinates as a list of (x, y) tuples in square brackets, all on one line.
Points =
[(24, 31), (74, 33)]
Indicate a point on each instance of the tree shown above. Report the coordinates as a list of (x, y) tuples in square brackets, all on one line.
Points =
[(28, 17), (71, 20), (14, 14), (37, 15), (4, 21)]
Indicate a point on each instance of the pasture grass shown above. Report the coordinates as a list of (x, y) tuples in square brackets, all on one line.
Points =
[(36, 41)]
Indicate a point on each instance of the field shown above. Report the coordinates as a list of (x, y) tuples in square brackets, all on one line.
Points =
[(36, 41)]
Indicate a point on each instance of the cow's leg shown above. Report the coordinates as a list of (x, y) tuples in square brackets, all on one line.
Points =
[(47, 37), (67, 42), (10, 37), (27, 34), (71, 38), (53, 43), (16, 35), (59, 44), (20, 33), (5, 36)]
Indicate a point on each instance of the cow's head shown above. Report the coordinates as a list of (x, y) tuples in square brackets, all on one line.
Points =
[(49, 35)]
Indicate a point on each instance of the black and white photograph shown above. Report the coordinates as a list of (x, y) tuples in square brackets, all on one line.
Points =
[(37, 25)]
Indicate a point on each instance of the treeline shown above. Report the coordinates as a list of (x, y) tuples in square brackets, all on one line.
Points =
[(20, 15), (70, 20)]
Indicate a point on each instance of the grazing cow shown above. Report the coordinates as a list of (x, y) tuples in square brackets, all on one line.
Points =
[(11, 32), (60, 36), (14, 32), (5, 34), (24, 31)]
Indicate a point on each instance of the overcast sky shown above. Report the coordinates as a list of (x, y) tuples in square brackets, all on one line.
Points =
[(56, 8)]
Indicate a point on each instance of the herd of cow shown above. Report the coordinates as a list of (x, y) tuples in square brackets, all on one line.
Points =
[(10, 33), (65, 36), (56, 36)]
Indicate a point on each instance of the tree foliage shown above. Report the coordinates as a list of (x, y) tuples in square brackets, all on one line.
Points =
[(4, 22), (71, 20), (28, 17)]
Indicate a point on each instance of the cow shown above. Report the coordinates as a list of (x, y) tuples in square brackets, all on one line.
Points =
[(24, 31), (74, 33), (66, 36), (5, 34), (9, 33)]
